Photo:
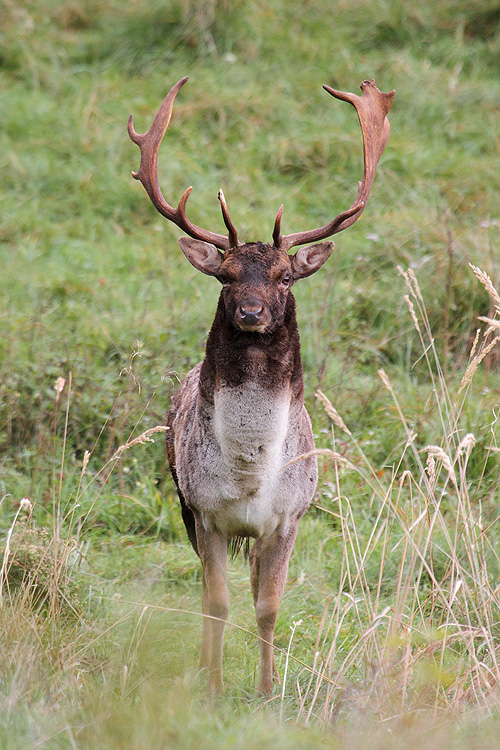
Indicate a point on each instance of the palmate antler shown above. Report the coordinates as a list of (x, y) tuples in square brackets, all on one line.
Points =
[(372, 108), (149, 144)]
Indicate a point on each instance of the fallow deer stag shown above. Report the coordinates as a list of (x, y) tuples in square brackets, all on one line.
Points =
[(238, 419)]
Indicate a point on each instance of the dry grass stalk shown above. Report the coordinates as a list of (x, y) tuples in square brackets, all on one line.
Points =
[(475, 359), (438, 453), (332, 412), (385, 380), (337, 457), (26, 506), (429, 353), (141, 439), (411, 274), (474, 364), (466, 444), (488, 285), (408, 282), (412, 312), (493, 323), (85, 462), (474, 344)]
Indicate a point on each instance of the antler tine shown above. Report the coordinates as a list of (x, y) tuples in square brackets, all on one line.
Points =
[(233, 234), (277, 228), (372, 108), (149, 144)]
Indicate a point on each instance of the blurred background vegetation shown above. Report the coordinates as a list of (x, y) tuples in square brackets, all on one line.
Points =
[(94, 289)]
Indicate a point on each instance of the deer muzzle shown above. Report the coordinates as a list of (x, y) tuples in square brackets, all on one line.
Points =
[(252, 315)]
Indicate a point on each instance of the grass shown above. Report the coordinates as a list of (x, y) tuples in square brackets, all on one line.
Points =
[(388, 631)]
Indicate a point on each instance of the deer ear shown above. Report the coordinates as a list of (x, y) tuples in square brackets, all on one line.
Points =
[(309, 259), (202, 255)]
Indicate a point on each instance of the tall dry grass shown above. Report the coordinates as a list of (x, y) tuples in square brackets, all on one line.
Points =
[(428, 633)]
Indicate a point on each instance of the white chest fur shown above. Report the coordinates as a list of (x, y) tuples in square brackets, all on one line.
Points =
[(250, 427), (230, 456)]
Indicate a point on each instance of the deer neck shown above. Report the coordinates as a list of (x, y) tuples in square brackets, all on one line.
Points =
[(270, 361)]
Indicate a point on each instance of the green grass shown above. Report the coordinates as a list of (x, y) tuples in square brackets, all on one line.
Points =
[(392, 585)]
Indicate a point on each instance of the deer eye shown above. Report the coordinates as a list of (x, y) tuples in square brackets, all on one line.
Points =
[(285, 281)]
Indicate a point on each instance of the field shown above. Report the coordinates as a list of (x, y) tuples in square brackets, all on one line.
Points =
[(389, 629)]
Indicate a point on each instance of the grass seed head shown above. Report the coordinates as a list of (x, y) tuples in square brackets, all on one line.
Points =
[(438, 453), (26, 505), (332, 411), (466, 444), (59, 386), (412, 312), (488, 285)]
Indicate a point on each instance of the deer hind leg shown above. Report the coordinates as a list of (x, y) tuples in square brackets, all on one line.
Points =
[(268, 572), (212, 549)]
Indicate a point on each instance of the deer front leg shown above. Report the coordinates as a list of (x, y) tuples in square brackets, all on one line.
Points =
[(269, 569), (212, 549)]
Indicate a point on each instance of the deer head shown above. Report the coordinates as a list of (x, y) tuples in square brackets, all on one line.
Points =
[(256, 277)]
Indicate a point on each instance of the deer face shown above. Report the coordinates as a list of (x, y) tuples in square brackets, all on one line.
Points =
[(256, 278)]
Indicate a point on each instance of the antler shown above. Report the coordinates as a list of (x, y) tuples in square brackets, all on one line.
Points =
[(149, 144), (372, 108)]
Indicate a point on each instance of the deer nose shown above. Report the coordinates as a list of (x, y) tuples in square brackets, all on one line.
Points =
[(250, 312)]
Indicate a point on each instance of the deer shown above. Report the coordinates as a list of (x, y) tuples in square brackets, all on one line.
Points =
[(239, 441)]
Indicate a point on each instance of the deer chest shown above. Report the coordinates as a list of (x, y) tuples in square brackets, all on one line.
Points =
[(231, 459)]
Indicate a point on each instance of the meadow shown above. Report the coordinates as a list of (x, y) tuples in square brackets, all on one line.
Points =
[(389, 629)]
